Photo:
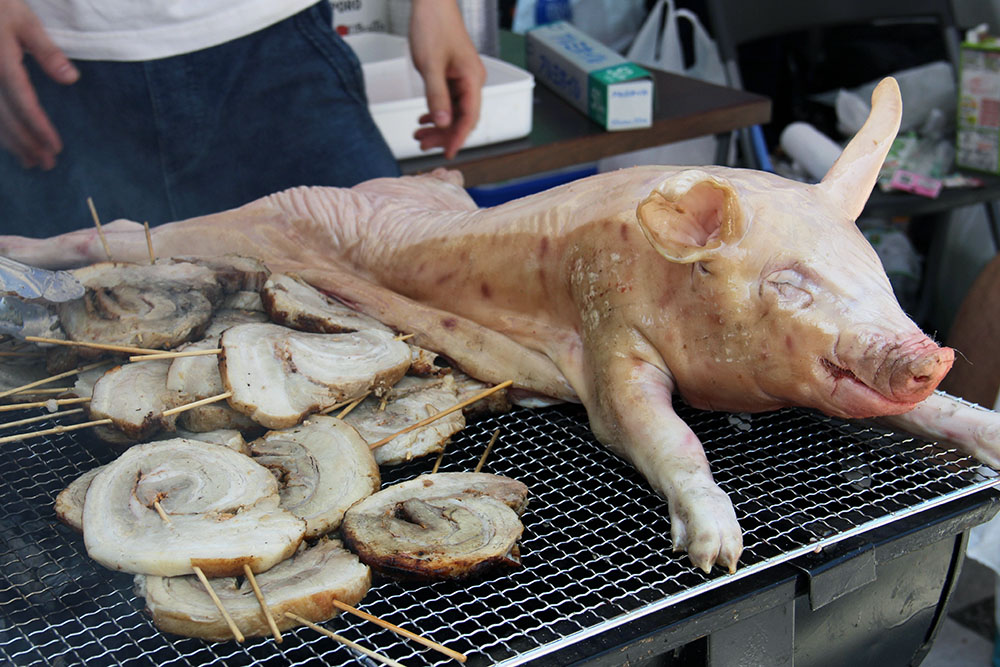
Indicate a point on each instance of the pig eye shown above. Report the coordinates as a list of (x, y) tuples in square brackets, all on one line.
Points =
[(702, 269), (790, 287)]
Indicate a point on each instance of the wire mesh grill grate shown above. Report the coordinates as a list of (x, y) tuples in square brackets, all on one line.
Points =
[(596, 550)]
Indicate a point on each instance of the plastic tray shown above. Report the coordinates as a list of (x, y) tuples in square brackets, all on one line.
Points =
[(396, 95)]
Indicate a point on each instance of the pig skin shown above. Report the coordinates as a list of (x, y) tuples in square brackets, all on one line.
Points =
[(736, 289)]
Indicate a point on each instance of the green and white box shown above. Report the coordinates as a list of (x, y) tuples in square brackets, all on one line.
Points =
[(613, 91)]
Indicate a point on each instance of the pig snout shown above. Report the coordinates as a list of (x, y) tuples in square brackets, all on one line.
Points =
[(919, 370), (878, 374)]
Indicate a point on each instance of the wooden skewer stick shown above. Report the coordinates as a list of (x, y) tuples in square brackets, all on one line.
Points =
[(437, 463), (218, 603), (458, 406), (43, 404), (49, 390), (343, 640), (97, 346), (59, 376), (204, 582), (197, 404), (263, 605), (41, 418), (54, 430), (355, 403), (100, 231), (149, 244), (401, 631), (337, 406), (405, 336), (175, 355), (24, 354), (486, 453)]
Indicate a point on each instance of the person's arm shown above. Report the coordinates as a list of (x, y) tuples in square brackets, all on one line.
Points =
[(452, 71), (25, 129)]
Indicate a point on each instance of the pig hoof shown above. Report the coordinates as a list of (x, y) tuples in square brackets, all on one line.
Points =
[(703, 522)]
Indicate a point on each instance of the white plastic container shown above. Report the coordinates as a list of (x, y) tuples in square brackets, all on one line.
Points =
[(396, 96)]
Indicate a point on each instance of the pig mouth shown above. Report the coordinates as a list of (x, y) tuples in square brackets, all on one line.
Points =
[(857, 399)]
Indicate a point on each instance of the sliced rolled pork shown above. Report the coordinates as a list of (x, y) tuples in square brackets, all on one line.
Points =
[(323, 466), (134, 397), (155, 306), (222, 512), (439, 526), (296, 304), (306, 585), (69, 502), (279, 375), (409, 401)]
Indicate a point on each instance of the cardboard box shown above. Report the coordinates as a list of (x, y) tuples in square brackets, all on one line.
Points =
[(614, 92), (977, 141)]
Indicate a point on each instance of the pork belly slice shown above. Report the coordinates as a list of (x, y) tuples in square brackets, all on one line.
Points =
[(153, 306), (467, 386), (439, 526), (278, 375), (294, 303), (305, 585), (69, 502), (410, 400), (233, 273), (134, 397), (323, 467), (223, 509)]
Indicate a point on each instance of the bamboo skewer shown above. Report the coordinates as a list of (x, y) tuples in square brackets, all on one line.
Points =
[(486, 453), (402, 337), (100, 231), (40, 418), (458, 406), (204, 582), (197, 404), (353, 404), (52, 378), (149, 244), (338, 406), (54, 430), (218, 603), (400, 631), (48, 390), (343, 640), (97, 346), (43, 404), (21, 355), (263, 605), (175, 355)]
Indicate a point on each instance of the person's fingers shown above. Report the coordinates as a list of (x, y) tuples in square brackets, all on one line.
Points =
[(50, 58), (438, 98)]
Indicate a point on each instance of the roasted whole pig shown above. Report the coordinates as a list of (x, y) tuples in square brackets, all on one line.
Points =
[(736, 289)]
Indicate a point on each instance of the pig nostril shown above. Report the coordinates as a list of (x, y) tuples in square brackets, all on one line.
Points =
[(922, 378)]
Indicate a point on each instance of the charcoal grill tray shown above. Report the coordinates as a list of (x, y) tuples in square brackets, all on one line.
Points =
[(596, 550)]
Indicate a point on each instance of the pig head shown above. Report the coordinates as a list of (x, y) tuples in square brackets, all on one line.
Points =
[(736, 289)]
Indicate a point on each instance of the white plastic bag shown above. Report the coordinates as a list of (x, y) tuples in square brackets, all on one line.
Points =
[(663, 50)]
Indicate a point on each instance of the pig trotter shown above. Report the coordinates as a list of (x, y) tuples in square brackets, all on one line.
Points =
[(703, 523)]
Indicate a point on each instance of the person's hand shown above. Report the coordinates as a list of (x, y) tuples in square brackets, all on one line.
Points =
[(452, 71), (25, 129)]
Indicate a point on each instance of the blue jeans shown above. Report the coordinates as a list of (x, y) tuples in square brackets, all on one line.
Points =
[(201, 132)]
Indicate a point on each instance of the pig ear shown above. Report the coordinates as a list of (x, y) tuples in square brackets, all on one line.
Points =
[(690, 216), (852, 177)]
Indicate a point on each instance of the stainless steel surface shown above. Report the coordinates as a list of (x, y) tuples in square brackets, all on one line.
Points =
[(596, 550)]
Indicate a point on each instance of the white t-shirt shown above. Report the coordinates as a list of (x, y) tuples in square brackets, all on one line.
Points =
[(130, 30)]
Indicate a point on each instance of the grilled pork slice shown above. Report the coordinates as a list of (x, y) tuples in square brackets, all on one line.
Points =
[(153, 306), (323, 467), (410, 400), (69, 502), (295, 304), (306, 585), (234, 273), (439, 526), (278, 375), (221, 509), (134, 397)]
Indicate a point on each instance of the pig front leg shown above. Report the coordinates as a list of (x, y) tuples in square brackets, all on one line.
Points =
[(631, 411), (942, 417)]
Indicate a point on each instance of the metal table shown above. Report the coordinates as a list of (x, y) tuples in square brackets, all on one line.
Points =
[(598, 582)]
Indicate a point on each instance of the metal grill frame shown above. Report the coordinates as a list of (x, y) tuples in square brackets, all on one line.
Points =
[(596, 551)]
